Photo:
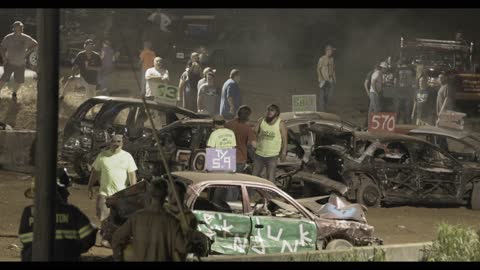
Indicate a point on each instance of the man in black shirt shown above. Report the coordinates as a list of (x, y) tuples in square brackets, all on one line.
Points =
[(89, 64)]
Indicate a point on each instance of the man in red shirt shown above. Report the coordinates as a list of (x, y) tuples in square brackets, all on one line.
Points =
[(146, 61), (244, 135)]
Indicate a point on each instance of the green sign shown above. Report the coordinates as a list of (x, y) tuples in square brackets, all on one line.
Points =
[(165, 94), (304, 103)]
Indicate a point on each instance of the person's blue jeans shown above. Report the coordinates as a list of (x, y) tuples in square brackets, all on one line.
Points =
[(375, 105), (324, 95), (270, 163)]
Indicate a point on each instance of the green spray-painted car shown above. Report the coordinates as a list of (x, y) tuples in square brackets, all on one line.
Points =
[(244, 214)]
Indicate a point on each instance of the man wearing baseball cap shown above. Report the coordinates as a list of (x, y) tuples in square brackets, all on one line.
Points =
[(89, 64), (14, 48), (376, 87), (326, 77)]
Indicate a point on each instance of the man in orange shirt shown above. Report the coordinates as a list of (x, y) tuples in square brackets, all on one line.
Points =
[(146, 61), (244, 135)]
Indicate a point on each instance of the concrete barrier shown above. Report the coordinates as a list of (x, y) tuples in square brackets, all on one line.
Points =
[(16, 150), (401, 252)]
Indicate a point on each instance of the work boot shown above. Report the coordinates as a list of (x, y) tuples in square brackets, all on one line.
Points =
[(14, 97)]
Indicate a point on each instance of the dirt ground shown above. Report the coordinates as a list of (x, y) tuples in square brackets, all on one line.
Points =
[(394, 225), (259, 87)]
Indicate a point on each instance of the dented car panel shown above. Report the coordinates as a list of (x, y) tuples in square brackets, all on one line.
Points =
[(243, 214), (403, 169), (89, 129)]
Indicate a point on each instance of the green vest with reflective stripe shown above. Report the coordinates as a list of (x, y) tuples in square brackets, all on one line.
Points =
[(269, 139)]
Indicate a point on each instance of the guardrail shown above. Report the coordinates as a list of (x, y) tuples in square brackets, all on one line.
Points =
[(400, 252)]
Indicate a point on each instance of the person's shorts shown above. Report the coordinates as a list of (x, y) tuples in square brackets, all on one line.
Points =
[(102, 210), (18, 73)]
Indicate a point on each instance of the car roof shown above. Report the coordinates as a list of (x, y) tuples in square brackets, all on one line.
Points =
[(189, 122), (386, 136), (457, 134), (199, 177), (139, 101), (288, 116)]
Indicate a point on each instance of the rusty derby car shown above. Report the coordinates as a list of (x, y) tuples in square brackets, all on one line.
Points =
[(244, 214)]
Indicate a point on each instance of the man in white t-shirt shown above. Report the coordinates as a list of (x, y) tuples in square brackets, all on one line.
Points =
[(113, 167), (155, 76)]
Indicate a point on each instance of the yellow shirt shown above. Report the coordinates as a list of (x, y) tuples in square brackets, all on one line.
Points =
[(114, 169), (222, 138), (269, 139)]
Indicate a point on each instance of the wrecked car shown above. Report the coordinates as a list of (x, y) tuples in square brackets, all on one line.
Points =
[(393, 168), (304, 132), (244, 214), (463, 145), (89, 130)]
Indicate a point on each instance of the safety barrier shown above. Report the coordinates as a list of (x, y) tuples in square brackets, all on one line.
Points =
[(399, 252)]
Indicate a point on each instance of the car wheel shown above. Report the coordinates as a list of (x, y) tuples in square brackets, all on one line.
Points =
[(82, 168), (33, 59), (338, 244), (475, 197), (198, 162), (368, 193)]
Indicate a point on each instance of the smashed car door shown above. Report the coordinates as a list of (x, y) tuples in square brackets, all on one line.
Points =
[(438, 175), (277, 225), (396, 171), (220, 214)]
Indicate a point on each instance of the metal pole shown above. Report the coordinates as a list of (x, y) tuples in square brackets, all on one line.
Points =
[(47, 125)]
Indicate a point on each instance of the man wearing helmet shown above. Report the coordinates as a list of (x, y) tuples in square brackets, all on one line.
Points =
[(74, 233)]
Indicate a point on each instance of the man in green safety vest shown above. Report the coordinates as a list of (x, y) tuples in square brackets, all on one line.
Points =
[(271, 142)]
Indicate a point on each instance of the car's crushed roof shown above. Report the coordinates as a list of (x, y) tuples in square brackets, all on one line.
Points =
[(139, 101)]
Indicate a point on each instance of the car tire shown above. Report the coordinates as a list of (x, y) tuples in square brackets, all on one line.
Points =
[(80, 166), (475, 197), (338, 244), (33, 59), (199, 162), (368, 193)]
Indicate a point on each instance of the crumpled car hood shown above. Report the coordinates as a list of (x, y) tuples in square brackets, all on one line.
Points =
[(336, 208), (339, 218)]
